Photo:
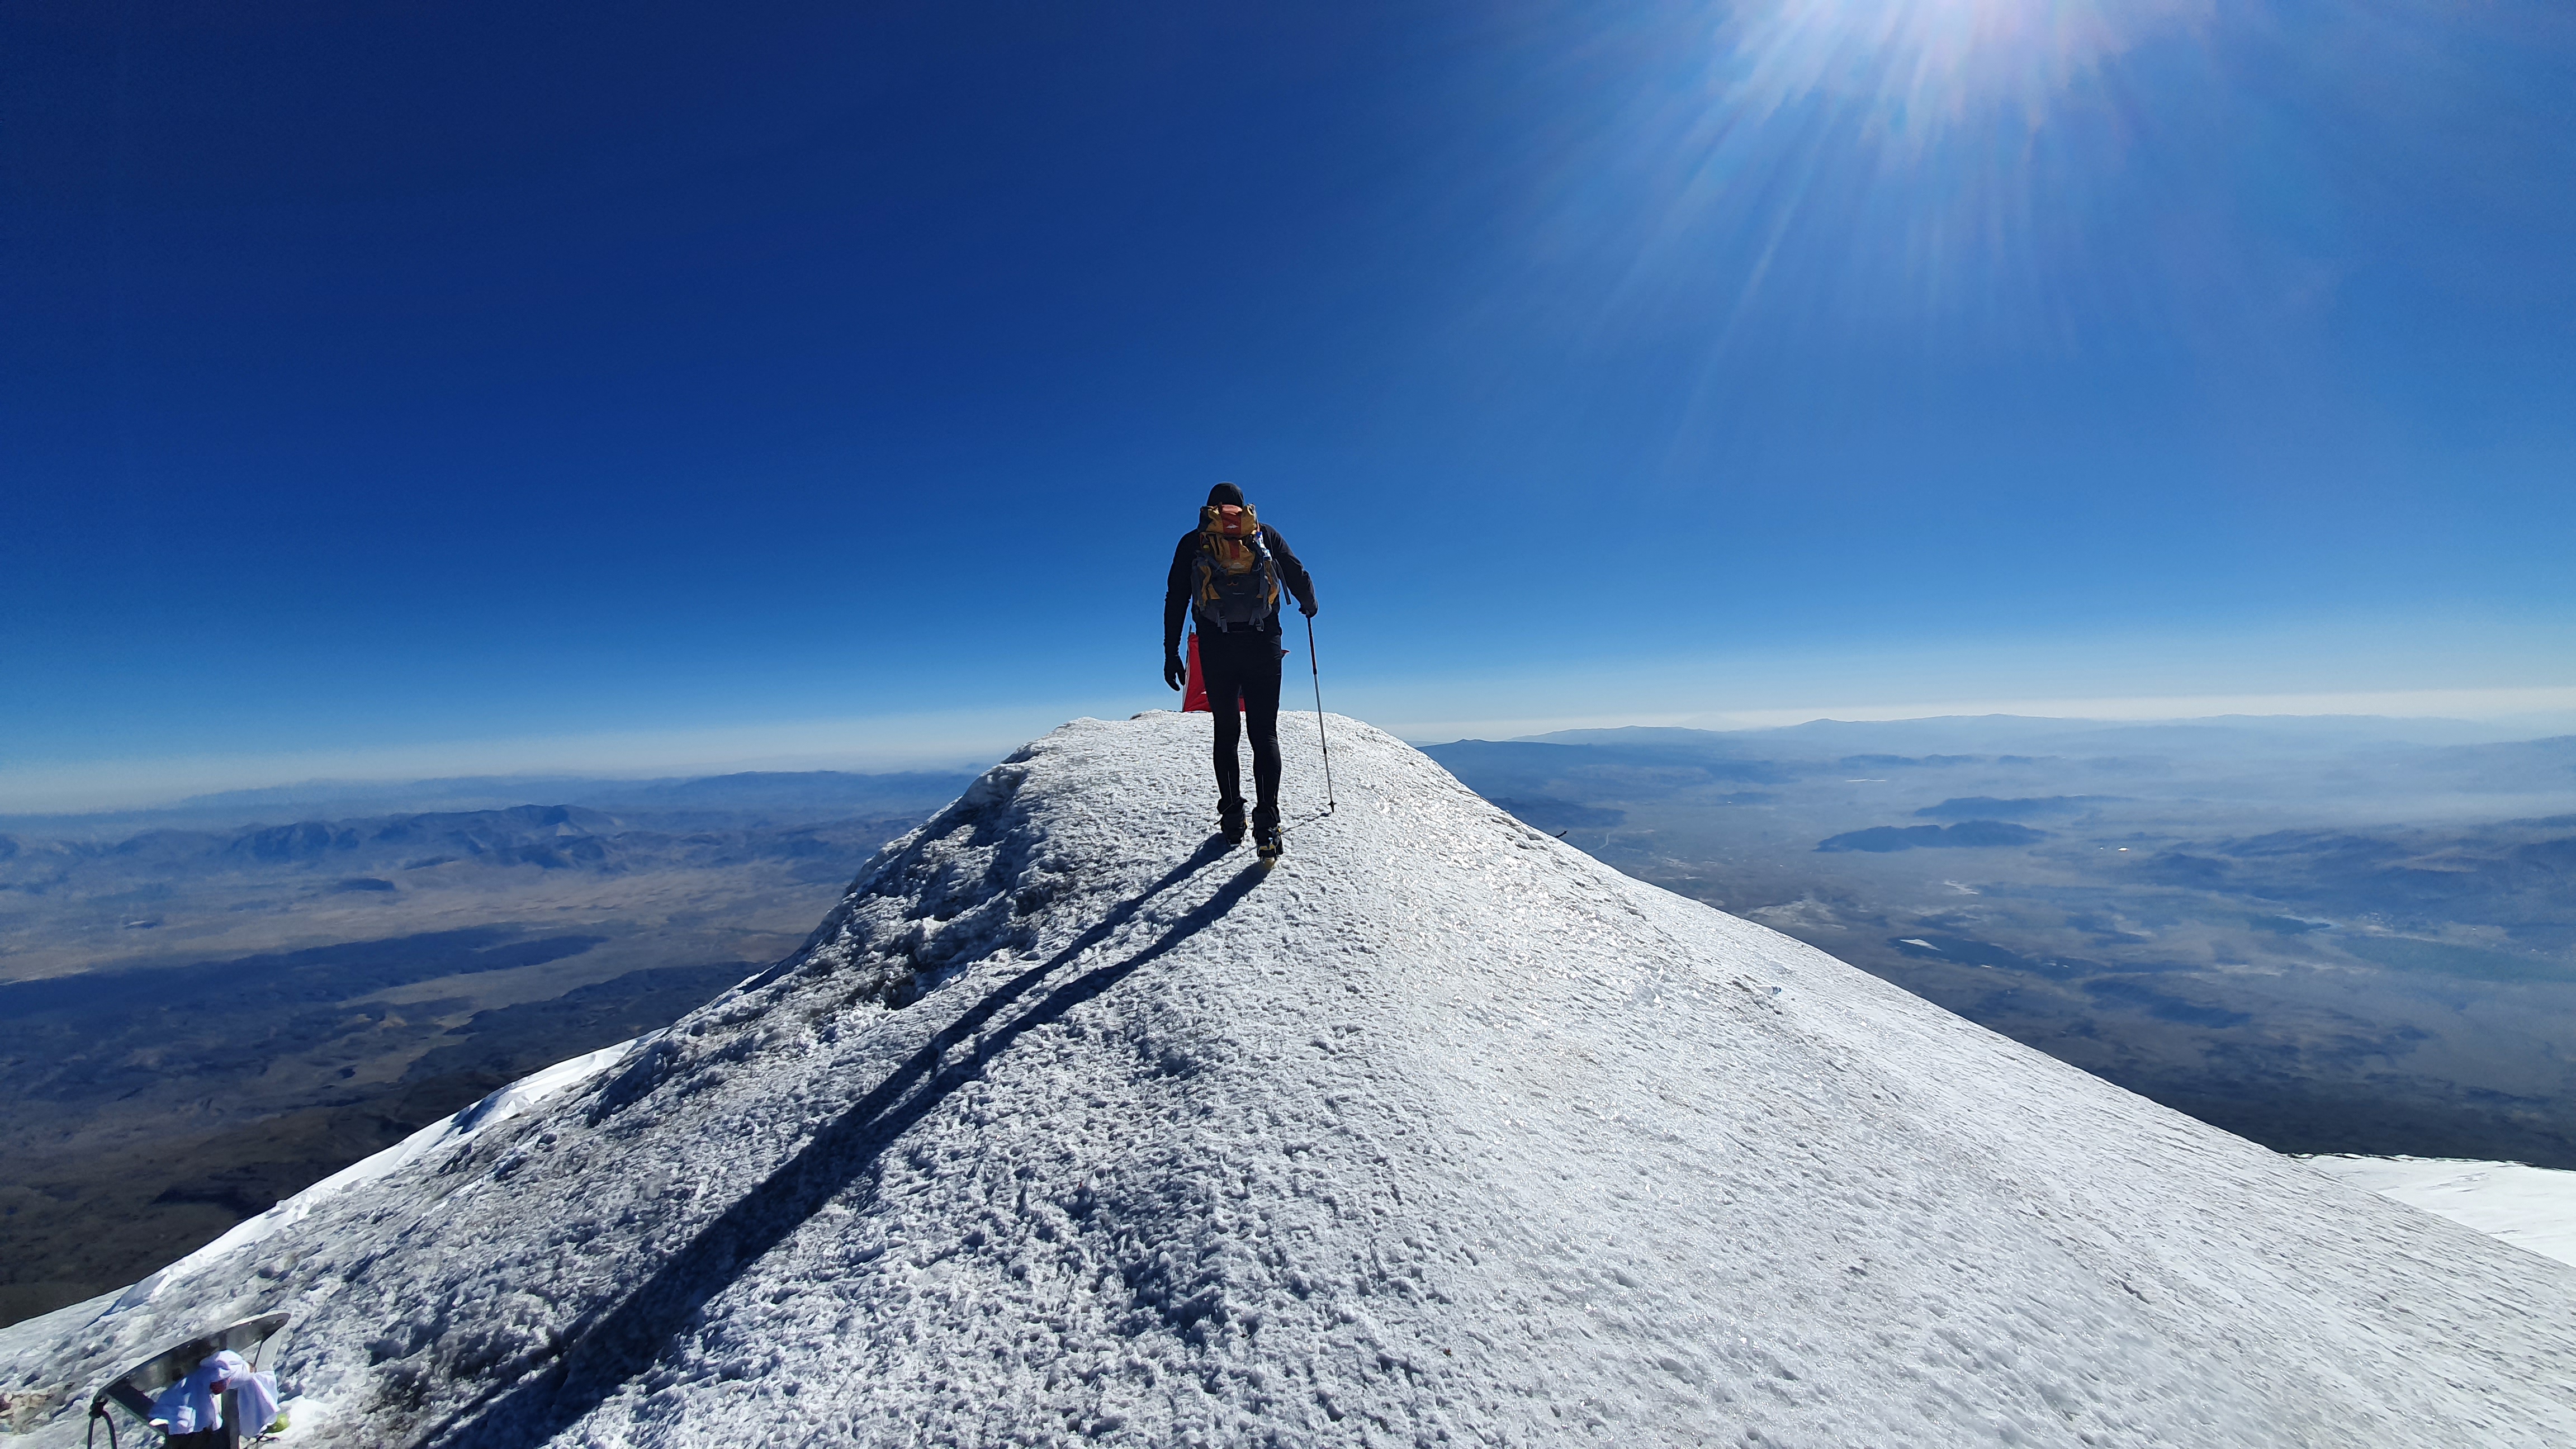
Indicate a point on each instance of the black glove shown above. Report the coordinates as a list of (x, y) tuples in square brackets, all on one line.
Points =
[(1175, 673), (1306, 607)]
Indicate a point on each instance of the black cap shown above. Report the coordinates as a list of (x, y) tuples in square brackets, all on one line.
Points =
[(1225, 493)]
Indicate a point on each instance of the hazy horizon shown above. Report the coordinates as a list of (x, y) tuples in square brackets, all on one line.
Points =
[(947, 756)]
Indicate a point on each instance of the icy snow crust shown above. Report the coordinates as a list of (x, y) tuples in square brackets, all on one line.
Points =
[(2529, 1207), (1068, 1126)]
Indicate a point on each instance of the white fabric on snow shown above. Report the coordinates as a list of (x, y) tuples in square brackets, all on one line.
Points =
[(189, 1405)]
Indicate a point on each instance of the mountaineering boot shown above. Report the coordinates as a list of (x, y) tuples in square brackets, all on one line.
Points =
[(1265, 839), (1229, 820)]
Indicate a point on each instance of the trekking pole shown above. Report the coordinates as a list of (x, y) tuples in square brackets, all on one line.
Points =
[(1317, 671)]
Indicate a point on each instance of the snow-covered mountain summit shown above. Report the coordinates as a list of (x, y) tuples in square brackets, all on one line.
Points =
[(1069, 1126)]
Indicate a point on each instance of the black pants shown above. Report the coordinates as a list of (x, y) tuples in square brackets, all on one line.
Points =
[(1245, 665)]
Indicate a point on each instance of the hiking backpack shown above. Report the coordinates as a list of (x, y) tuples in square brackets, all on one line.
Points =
[(1235, 579)]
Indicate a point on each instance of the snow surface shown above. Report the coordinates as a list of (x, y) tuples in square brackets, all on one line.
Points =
[(1068, 1126), (2529, 1207)]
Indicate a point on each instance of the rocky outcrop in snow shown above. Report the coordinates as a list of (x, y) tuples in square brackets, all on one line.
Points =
[(1069, 1126)]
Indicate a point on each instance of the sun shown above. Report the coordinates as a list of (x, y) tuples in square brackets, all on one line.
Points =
[(1923, 66)]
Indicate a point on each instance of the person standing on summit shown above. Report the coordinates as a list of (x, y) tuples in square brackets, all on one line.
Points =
[(1227, 574)]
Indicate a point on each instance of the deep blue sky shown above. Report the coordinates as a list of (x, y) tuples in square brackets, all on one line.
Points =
[(389, 378)]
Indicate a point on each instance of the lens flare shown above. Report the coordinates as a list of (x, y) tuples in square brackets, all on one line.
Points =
[(1936, 175)]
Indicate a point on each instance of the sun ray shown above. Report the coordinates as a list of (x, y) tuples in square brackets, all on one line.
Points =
[(1919, 68)]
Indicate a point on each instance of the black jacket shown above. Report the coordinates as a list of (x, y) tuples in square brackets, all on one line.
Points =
[(1176, 593)]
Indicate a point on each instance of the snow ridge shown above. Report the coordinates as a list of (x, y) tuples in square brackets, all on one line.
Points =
[(1068, 1126)]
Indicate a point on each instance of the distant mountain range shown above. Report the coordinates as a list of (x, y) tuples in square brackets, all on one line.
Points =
[(2233, 734), (380, 853), (799, 794)]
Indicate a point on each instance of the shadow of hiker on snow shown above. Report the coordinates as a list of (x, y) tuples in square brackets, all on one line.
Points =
[(596, 1356)]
